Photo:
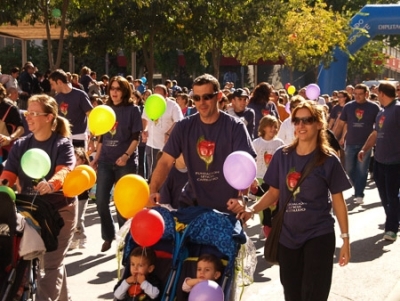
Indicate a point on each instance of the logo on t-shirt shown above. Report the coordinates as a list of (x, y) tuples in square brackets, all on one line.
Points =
[(267, 158), (64, 108), (265, 112), (291, 180), (113, 131), (206, 149), (381, 121), (359, 114)]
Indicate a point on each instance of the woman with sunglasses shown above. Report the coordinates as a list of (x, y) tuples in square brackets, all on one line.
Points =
[(307, 241), (50, 133), (116, 154)]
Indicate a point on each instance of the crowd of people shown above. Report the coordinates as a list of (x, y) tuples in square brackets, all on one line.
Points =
[(182, 153)]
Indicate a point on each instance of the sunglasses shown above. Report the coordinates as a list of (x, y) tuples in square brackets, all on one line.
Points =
[(206, 97), (115, 89), (34, 114), (306, 120)]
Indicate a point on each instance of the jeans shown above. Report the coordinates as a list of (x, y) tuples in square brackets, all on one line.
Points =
[(107, 175), (357, 171), (306, 272), (151, 160), (387, 179)]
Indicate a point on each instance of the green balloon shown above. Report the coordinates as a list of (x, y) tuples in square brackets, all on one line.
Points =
[(36, 163), (155, 106), (9, 191), (56, 13)]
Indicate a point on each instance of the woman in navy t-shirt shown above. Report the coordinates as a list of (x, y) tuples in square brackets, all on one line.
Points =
[(116, 154), (307, 241)]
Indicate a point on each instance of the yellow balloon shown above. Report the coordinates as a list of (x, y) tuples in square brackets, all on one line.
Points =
[(101, 120), (291, 90), (76, 182), (131, 194), (91, 172)]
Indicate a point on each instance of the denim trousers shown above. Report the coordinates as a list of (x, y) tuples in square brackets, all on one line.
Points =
[(107, 175), (357, 171), (387, 179)]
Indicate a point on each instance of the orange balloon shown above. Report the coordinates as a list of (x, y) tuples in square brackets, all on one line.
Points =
[(131, 194), (91, 172), (76, 182)]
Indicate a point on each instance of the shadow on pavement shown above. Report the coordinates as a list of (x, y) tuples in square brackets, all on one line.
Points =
[(368, 249), (80, 266)]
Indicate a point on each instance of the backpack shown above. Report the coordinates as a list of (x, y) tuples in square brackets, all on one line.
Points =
[(43, 214)]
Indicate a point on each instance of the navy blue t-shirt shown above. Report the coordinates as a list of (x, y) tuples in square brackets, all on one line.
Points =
[(247, 117), (74, 106), (387, 125), (118, 139), (360, 119), (308, 214), (261, 110), (205, 148)]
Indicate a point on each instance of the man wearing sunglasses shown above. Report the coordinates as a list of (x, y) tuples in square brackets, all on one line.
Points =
[(205, 139)]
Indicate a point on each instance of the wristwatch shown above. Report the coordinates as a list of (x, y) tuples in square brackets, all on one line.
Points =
[(344, 235)]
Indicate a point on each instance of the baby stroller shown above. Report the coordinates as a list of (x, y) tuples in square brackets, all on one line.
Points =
[(17, 276), (211, 232), (189, 233)]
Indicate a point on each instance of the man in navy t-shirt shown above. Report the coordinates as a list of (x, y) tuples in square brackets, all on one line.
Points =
[(356, 122), (73, 104), (205, 139), (387, 157), (240, 110)]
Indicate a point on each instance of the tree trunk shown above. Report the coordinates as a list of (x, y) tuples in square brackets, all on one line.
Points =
[(45, 8), (216, 60), (148, 54), (62, 31)]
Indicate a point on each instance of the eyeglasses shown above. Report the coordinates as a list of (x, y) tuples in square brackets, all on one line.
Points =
[(306, 120), (34, 114), (115, 89), (206, 97)]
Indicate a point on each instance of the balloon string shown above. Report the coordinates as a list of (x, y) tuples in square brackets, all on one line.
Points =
[(33, 200), (144, 254)]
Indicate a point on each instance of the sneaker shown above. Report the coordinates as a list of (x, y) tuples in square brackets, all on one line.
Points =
[(82, 243), (359, 200), (74, 244), (390, 235)]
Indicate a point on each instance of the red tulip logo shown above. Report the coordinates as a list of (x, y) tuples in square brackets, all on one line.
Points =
[(359, 114), (291, 180), (205, 149), (381, 121), (113, 131), (64, 108), (267, 158), (265, 112)]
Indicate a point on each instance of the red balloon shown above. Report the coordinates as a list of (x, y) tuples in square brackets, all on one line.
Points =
[(287, 85), (147, 227)]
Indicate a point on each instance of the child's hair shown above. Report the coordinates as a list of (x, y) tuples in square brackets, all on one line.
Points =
[(147, 253), (213, 259), (80, 152), (267, 120)]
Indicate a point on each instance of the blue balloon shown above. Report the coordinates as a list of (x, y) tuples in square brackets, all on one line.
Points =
[(207, 290), (144, 80)]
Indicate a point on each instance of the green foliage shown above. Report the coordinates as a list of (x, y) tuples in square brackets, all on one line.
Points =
[(367, 63)]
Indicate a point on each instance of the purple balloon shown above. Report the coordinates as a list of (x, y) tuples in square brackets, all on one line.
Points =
[(207, 290), (287, 107), (312, 91), (240, 170)]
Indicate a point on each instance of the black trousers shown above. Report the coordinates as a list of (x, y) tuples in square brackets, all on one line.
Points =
[(306, 273)]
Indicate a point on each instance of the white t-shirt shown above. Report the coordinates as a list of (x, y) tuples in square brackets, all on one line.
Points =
[(265, 149), (157, 129), (286, 131)]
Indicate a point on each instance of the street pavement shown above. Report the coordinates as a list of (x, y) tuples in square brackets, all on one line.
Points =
[(373, 273)]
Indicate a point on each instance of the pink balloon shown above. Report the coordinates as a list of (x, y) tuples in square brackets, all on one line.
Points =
[(287, 107), (207, 290), (240, 170), (312, 91), (287, 85)]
